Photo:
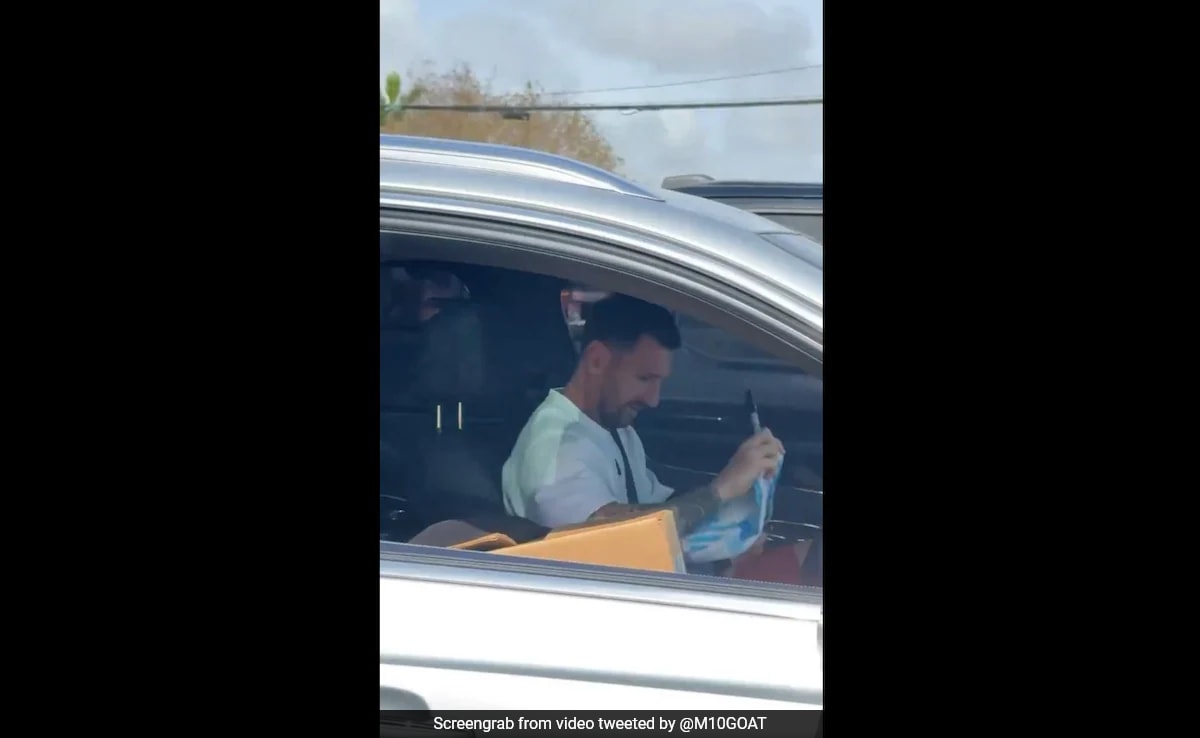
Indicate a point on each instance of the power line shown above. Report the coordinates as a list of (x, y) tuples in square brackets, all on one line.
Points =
[(686, 82), (636, 107)]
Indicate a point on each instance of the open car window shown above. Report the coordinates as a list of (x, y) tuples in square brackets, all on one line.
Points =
[(712, 363)]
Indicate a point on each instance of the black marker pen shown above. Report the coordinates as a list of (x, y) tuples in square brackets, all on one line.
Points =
[(752, 409)]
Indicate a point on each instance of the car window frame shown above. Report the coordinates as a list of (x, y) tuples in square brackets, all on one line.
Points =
[(497, 243), (580, 258)]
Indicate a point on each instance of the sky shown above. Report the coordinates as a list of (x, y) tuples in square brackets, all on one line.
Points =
[(585, 45)]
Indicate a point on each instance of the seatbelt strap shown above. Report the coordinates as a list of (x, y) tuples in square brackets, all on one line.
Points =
[(631, 495)]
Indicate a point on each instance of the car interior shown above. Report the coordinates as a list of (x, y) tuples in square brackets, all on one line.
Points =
[(480, 366), (475, 349)]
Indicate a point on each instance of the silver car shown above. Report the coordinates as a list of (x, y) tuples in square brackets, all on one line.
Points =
[(493, 232)]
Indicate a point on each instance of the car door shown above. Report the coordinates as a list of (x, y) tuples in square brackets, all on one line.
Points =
[(519, 634), (470, 630)]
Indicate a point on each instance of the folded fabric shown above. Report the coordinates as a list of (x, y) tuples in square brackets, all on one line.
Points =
[(735, 526)]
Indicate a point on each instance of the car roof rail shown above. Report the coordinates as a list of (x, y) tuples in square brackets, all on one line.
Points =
[(766, 182), (685, 180), (505, 159)]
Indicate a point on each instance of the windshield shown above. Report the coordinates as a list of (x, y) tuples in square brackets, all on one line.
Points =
[(798, 245)]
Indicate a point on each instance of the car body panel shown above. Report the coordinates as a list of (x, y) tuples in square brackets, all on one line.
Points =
[(729, 245), (531, 639), (462, 630), (771, 276)]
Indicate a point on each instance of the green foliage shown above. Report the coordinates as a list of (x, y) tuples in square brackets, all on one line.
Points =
[(393, 100)]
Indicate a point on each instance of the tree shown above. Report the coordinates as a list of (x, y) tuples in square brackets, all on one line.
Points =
[(568, 133), (393, 96)]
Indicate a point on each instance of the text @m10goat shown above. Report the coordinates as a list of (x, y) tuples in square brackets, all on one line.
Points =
[(682, 724)]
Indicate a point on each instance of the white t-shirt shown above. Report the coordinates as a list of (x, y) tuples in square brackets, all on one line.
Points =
[(565, 466)]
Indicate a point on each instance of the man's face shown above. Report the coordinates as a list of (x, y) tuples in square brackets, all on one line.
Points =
[(631, 381)]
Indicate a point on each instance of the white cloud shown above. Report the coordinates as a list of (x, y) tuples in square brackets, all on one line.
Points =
[(697, 36), (399, 31), (572, 45), (656, 145)]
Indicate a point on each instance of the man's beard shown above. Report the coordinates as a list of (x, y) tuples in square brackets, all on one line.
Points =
[(609, 420), (621, 417)]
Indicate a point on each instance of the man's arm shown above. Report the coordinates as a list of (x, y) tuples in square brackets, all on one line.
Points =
[(689, 508), (757, 455)]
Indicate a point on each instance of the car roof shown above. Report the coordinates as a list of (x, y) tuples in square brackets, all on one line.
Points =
[(703, 233)]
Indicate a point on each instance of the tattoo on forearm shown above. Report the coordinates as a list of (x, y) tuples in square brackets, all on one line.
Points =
[(693, 507), (689, 508)]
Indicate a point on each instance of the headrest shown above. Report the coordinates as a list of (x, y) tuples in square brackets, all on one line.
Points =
[(411, 294), (451, 363)]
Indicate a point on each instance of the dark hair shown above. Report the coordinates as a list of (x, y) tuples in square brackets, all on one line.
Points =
[(621, 320)]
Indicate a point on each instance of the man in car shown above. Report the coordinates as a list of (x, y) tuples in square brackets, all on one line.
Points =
[(578, 457)]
